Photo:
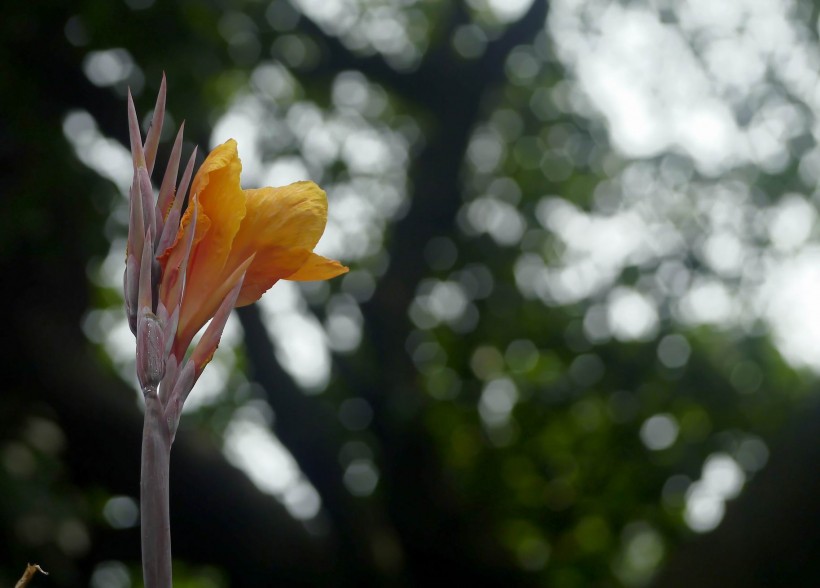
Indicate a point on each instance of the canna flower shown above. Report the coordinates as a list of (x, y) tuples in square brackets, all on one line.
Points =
[(185, 268), (265, 234)]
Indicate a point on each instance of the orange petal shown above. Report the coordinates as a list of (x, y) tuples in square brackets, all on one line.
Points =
[(173, 258), (269, 266), (282, 226), (292, 216), (318, 268), (222, 201), (279, 264)]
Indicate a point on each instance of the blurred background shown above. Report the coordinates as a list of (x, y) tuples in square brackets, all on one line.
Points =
[(579, 341)]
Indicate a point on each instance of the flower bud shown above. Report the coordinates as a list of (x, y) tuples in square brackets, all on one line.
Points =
[(131, 291), (150, 350)]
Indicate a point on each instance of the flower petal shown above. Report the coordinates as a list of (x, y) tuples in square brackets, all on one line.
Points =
[(279, 264), (216, 185), (222, 202), (269, 266), (282, 226), (275, 227), (318, 268), (292, 216)]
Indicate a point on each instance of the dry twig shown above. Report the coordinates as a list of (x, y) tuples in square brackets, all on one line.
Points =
[(31, 569)]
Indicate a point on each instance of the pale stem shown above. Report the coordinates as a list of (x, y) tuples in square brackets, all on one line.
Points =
[(154, 509)]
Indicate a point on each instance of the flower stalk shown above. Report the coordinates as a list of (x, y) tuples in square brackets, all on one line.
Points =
[(155, 514), (188, 266)]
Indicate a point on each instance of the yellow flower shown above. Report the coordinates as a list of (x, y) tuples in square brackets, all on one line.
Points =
[(225, 251), (268, 233)]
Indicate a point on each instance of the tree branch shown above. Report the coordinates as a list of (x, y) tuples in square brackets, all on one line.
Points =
[(308, 427)]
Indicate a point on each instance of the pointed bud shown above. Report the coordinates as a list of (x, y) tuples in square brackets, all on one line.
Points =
[(177, 264), (152, 139), (146, 192), (137, 152), (174, 215), (171, 330), (169, 180), (169, 231), (162, 313), (169, 378), (131, 290), (184, 382), (207, 345), (156, 277), (204, 351), (145, 296), (186, 177), (136, 220)]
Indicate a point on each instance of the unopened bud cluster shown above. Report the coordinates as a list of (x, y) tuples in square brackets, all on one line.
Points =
[(155, 230)]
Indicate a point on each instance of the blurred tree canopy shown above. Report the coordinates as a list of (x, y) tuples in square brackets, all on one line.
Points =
[(578, 342)]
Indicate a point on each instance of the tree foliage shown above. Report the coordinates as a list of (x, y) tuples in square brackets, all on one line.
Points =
[(549, 364)]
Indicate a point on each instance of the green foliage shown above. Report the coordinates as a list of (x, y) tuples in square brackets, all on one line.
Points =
[(518, 386)]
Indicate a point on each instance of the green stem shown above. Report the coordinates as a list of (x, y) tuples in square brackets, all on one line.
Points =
[(154, 509)]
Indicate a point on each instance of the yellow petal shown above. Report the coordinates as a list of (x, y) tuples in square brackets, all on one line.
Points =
[(318, 268), (222, 160), (269, 266), (292, 216), (282, 226), (221, 199), (279, 264), (277, 228)]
